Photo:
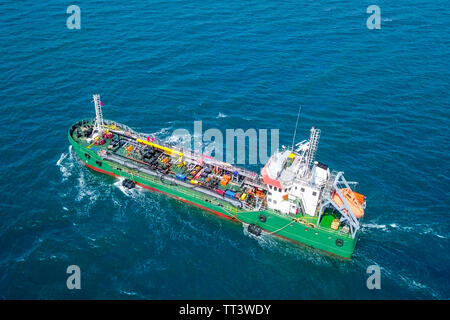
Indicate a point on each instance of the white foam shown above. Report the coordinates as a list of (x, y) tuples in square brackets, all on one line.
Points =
[(61, 158), (161, 132), (66, 163), (132, 293), (374, 226), (86, 191), (418, 228)]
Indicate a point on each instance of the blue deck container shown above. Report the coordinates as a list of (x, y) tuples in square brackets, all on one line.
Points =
[(230, 194), (181, 177)]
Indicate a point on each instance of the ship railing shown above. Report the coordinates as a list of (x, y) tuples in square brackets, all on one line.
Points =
[(253, 183), (315, 226), (307, 183)]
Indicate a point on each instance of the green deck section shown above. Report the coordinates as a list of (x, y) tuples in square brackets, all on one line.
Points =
[(303, 229), (327, 219)]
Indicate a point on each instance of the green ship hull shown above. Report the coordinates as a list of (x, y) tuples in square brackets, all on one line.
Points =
[(301, 229)]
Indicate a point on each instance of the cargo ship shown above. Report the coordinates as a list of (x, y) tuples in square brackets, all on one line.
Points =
[(293, 197)]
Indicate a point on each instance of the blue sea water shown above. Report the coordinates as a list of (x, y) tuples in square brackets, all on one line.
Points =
[(380, 98)]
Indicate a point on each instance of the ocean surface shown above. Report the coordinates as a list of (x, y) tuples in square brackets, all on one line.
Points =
[(380, 97)]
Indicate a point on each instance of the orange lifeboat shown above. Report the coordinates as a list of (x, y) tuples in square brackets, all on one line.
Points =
[(353, 199), (360, 197)]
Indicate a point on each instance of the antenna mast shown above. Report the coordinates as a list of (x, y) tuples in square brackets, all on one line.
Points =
[(296, 124), (98, 114), (313, 144)]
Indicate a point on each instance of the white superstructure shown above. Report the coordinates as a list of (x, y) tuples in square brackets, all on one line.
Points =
[(298, 184), (292, 184)]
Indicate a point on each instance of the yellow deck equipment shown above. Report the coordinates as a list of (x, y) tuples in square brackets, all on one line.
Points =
[(165, 149)]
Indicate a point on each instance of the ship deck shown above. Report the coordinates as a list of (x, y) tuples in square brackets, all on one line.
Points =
[(219, 177), (121, 142)]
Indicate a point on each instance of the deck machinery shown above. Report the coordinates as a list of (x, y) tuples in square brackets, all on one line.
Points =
[(294, 197)]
